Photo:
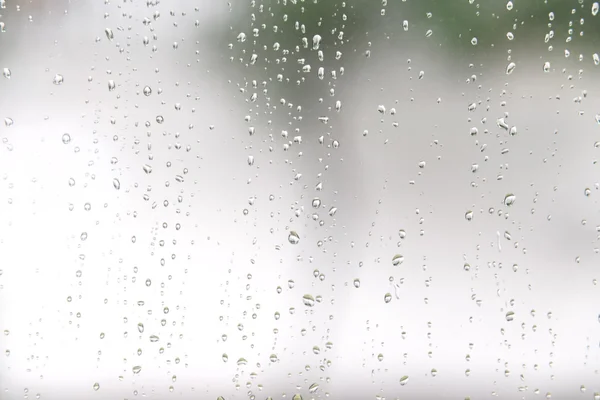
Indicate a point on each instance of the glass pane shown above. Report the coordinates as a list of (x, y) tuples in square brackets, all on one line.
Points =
[(299, 199)]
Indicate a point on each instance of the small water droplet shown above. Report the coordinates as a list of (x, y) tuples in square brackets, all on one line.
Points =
[(8, 122), (474, 41), (510, 68), (308, 300), (510, 316), (469, 215), (293, 238), (547, 66), (111, 85), (404, 380), (509, 199), (147, 91), (397, 260), (58, 79), (96, 386), (595, 8), (509, 5), (147, 168), (116, 184), (6, 73), (316, 42), (66, 138), (109, 34), (387, 297)]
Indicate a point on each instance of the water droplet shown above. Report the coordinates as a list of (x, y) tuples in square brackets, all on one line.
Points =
[(297, 397), (387, 297), (428, 33), (147, 91), (402, 233), (66, 138), (547, 66), (6, 73), (469, 215), (160, 119), (397, 260), (109, 34), (71, 182), (404, 380), (316, 203), (137, 369), (433, 372), (316, 42), (596, 59), (154, 338), (332, 211), (308, 300), (147, 168), (380, 357), (595, 8), (509, 5), (293, 238), (510, 68), (96, 386), (58, 79), (111, 85), (357, 283), (140, 327), (116, 184), (510, 316), (474, 41), (8, 122), (587, 192), (509, 199)]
